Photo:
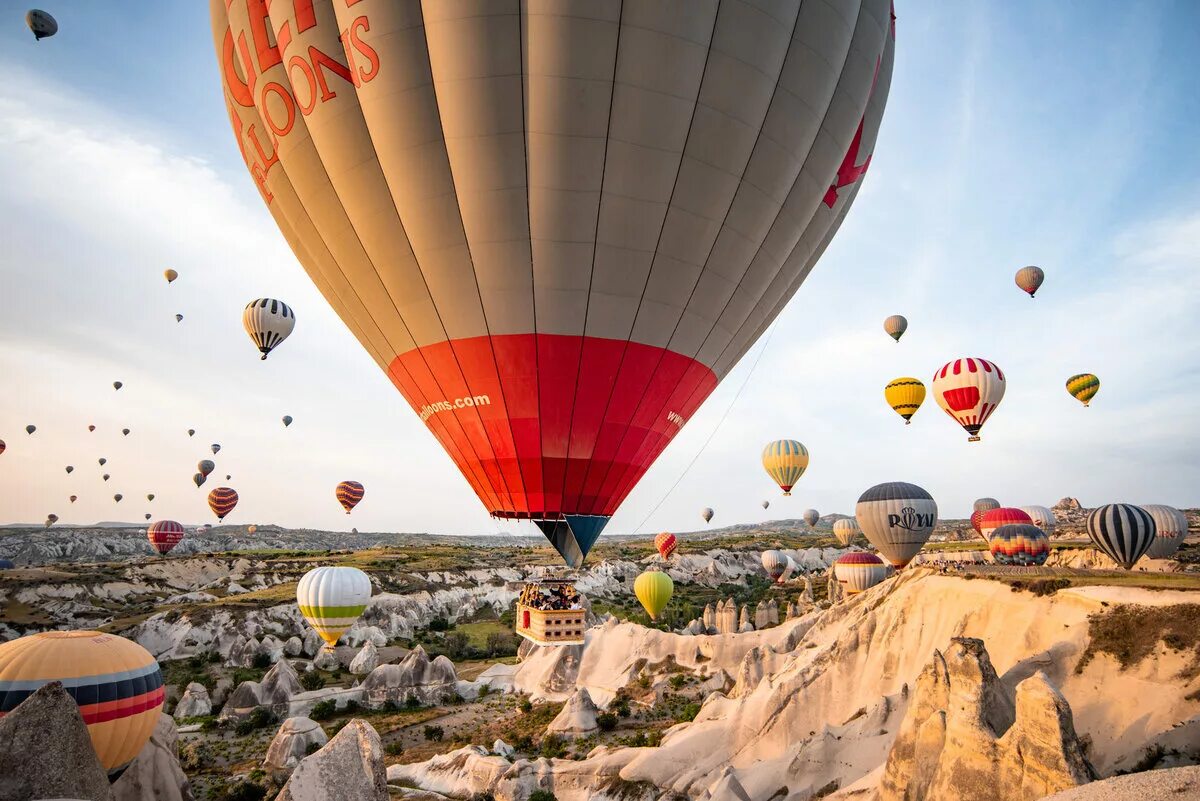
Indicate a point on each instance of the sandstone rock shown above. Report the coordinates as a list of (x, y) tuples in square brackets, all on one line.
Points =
[(360, 635), (302, 704), (578, 715), (45, 750), (221, 691), (762, 617), (366, 660), (312, 642), (1177, 784), (292, 742), (349, 768), (744, 623), (746, 628), (772, 612), (695, 627), (709, 618), (807, 595), (416, 676), (326, 660), (293, 647), (275, 690), (503, 749), (194, 703), (155, 774), (726, 788)]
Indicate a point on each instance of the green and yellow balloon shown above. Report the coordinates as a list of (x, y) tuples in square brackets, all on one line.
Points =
[(653, 588), (785, 460), (1083, 387)]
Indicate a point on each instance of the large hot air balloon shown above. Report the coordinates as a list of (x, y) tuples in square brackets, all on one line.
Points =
[(812, 517), (986, 504), (897, 518), (1029, 279), (905, 395), (30, 429), (653, 589), (332, 598), (555, 253), (115, 681), (845, 529), (222, 500), (1123, 531), (287, 420), (895, 326), (198, 479), (349, 493), (41, 23), (164, 535), (206, 466), (859, 571), (1004, 516), (969, 390), (666, 544), (170, 275), (707, 514), (1083, 387), (775, 563), (785, 460), (268, 322), (1170, 530), (1022, 544), (1042, 517)]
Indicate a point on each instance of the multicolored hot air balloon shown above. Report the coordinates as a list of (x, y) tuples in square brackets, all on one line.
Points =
[(897, 518), (1083, 387), (785, 460), (812, 517), (666, 544), (1021, 544), (1004, 516), (707, 514), (986, 504), (222, 500), (198, 479), (1170, 530), (859, 571), (895, 326), (1030, 278), (549, 255), (332, 598), (1042, 517), (206, 466), (268, 322), (775, 562), (653, 589), (1123, 531), (287, 420), (969, 390), (905, 395), (349, 493), (164, 535), (170, 275), (116, 682), (40, 23), (845, 529)]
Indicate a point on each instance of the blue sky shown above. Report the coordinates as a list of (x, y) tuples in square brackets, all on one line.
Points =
[(1057, 134)]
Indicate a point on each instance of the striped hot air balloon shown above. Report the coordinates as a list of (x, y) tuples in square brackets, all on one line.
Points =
[(555, 226), (1021, 544), (785, 460), (969, 390), (1029, 279), (206, 466), (164, 535), (332, 598), (775, 563), (1042, 517), (905, 395), (812, 517), (1123, 531), (653, 590), (895, 326), (1170, 530), (222, 500), (897, 518), (846, 529), (1083, 387), (349, 493), (986, 504), (116, 682), (666, 544), (268, 322), (859, 571), (1003, 516)]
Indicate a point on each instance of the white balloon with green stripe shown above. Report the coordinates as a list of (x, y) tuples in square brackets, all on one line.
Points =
[(332, 598)]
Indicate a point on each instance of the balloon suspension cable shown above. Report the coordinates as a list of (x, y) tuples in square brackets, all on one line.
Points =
[(716, 428)]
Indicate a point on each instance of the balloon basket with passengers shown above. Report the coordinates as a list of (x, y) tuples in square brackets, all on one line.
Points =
[(550, 612)]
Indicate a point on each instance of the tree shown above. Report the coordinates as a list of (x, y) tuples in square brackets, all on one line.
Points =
[(434, 733), (457, 645)]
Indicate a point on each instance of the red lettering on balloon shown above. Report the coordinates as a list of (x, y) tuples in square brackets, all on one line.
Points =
[(321, 60), (364, 49), (239, 90), (288, 103), (310, 79)]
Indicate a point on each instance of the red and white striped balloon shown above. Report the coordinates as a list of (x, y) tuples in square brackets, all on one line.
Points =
[(969, 390)]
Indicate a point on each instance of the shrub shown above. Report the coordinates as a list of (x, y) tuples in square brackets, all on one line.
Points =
[(542, 795), (622, 707), (412, 702), (394, 748), (689, 712), (607, 721), (439, 624), (501, 644), (242, 791), (312, 680), (526, 706), (485, 690), (261, 661), (553, 746), (323, 710), (434, 734), (351, 707), (312, 748), (678, 680), (458, 645)]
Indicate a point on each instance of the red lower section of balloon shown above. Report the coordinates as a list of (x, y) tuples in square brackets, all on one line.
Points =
[(546, 424)]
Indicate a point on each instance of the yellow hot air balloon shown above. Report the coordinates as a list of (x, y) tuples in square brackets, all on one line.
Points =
[(1083, 387), (785, 461), (170, 275), (905, 395), (653, 588)]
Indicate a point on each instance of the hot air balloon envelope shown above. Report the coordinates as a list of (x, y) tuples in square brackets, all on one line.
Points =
[(349, 493), (222, 500), (707, 514), (905, 395), (653, 590), (332, 598), (170, 275), (666, 544), (845, 529), (164, 535), (1170, 529), (1123, 531), (1020, 544), (895, 326), (1002, 516), (41, 23), (287, 420), (1083, 387), (268, 322), (859, 571), (969, 390), (812, 517), (785, 460), (1029, 279), (897, 518), (206, 466)]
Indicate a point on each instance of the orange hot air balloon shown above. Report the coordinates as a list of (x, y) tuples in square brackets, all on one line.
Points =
[(666, 544), (554, 256), (349, 493), (222, 500)]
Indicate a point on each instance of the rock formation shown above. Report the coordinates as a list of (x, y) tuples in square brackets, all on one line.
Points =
[(275, 690), (709, 618), (194, 703), (726, 788), (578, 715), (155, 774), (807, 595), (326, 660), (366, 660), (772, 613), (762, 617), (416, 676), (1173, 784), (349, 768), (292, 743), (293, 647), (744, 623), (503, 749)]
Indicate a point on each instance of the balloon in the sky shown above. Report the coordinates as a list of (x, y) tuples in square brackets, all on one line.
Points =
[(41, 23), (150, 496), (206, 466), (555, 291), (859, 571), (1170, 527), (148, 515), (268, 322), (115, 681), (74, 498), (179, 318), (349, 493), (51, 520), (766, 504), (812, 517), (287, 420), (191, 432), (164, 535), (199, 478), (1003, 516), (222, 500), (102, 461), (897, 518), (1030, 278), (117, 385), (125, 432), (1042, 517), (1022, 544), (30, 429), (905, 395), (785, 460), (118, 497), (332, 598), (170, 275), (215, 448), (70, 468), (666, 544), (4, 447), (707, 514), (227, 476), (91, 428), (895, 326), (969, 390), (775, 563), (106, 476), (845, 529), (1083, 387), (653, 589), (986, 504)]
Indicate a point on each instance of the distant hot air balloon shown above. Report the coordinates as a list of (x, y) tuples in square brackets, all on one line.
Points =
[(199, 478), (170, 275), (117, 498), (117, 385), (103, 461), (287, 420), (812, 517), (332, 598), (1083, 387), (895, 326), (228, 477), (969, 390), (1042, 517), (666, 544), (115, 681), (30, 429), (612, 212), (215, 448), (785, 460), (986, 504), (91, 428), (51, 520), (164, 535), (206, 466), (191, 432), (268, 322), (1030, 278), (349, 493), (150, 497), (775, 563), (845, 529), (905, 395), (106, 476), (1021, 544), (41, 23), (148, 515), (74, 498), (1170, 529), (1003, 516), (222, 500), (251, 529), (179, 318), (653, 589), (859, 571), (4, 447), (125, 432), (766, 504), (70, 468), (897, 518), (707, 514)]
